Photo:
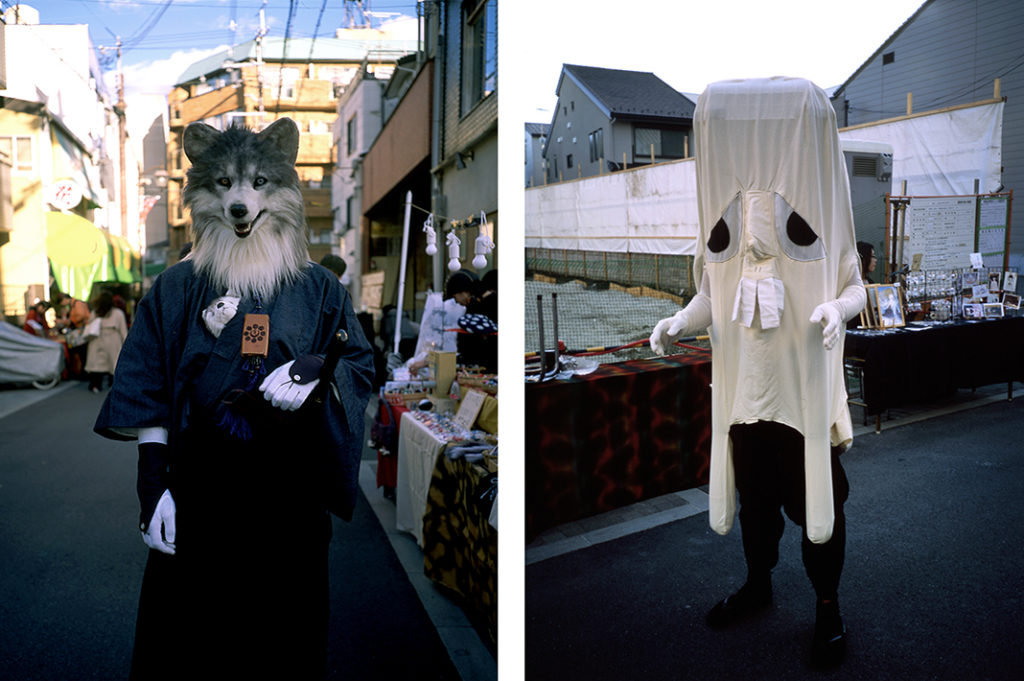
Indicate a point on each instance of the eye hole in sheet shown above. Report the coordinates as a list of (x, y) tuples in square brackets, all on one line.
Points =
[(797, 239), (724, 240)]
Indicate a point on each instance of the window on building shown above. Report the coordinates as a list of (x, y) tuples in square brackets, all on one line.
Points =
[(596, 145), (479, 51), (350, 135), (568, 161), (18, 148), (662, 143), (348, 213)]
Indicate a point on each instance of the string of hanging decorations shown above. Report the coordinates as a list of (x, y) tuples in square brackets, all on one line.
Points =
[(483, 246)]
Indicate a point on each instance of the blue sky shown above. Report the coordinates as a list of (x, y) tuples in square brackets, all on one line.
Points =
[(161, 38)]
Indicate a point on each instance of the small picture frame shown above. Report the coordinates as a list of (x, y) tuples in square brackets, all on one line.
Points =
[(1011, 301), (1010, 281), (992, 310), (888, 307), (973, 311)]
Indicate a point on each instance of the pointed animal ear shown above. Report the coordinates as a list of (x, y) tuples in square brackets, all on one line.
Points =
[(283, 134), (197, 139)]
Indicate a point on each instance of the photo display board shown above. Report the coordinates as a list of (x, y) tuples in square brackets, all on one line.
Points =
[(941, 232), (993, 214)]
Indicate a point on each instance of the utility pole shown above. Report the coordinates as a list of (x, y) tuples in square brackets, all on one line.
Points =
[(259, 62), (122, 137)]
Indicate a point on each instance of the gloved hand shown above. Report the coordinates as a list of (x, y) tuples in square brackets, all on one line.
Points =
[(668, 330), (288, 389), (830, 316), (156, 519), (160, 532)]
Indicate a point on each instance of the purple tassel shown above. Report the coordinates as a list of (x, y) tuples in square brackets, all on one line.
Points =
[(235, 425)]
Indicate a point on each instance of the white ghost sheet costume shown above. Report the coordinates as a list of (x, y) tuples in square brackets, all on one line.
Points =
[(779, 276)]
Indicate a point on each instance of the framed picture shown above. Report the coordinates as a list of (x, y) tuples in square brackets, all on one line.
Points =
[(1011, 301), (973, 311), (992, 310), (889, 307), (1010, 281)]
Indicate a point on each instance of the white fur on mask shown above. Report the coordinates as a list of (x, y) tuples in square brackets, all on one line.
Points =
[(219, 313)]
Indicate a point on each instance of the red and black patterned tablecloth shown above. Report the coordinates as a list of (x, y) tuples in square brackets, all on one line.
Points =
[(624, 433)]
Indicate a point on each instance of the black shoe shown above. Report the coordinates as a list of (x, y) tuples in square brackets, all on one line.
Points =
[(829, 646), (747, 601)]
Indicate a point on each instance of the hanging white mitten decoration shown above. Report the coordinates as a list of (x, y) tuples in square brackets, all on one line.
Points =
[(453, 252), (483, 245), (428, 227)]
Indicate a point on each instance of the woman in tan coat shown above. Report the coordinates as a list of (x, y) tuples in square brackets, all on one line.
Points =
[(101, 357)]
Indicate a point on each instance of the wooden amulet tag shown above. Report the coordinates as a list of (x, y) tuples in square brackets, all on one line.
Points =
[(256, 335)]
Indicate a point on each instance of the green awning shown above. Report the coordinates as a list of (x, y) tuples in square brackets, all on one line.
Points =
[(81, 253)]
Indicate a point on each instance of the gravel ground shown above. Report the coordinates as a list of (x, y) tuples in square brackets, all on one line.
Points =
[(594, 317)]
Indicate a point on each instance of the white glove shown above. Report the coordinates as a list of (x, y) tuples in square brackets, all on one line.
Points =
[(830, 316), (160, 533), (667, 331), (281, 390)]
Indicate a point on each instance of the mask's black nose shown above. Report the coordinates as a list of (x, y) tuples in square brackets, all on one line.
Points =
[(238, 210)]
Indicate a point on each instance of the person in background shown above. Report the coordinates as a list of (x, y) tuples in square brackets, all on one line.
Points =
[(35, 319), (101, 357), (868, 261), (489, 295), (478, 342), (337, 265)]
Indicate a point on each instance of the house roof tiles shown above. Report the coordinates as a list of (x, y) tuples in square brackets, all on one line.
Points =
[(630, 93)]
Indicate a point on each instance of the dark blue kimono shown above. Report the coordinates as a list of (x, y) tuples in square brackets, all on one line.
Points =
[(246, 591)]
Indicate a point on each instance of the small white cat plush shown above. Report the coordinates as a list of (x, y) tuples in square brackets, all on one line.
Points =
[(219, 313)]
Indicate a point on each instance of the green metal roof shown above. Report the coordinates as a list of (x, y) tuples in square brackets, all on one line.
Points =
[(300, 50)]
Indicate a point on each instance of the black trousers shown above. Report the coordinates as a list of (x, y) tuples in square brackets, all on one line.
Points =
[(768, 460), (246, 595)]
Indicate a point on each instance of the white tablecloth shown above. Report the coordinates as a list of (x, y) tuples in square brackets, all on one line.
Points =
[(417, 453)]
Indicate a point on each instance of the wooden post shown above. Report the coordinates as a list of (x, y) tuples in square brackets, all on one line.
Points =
[(600, 168), (910, 103), (623, 160), (579, 170), (652, 154), (686, 147), (998, 89)]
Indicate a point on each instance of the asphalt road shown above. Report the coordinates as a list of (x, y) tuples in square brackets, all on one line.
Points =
[(933, 586), (71, 562)]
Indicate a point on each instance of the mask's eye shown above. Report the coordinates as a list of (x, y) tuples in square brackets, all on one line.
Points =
[(224, 181), (259, 181), (724, 239), (796, 237)]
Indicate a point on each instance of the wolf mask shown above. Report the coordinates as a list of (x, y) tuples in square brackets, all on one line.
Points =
[(248, 219)]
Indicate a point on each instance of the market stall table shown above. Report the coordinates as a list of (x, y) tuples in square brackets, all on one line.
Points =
[(626, 432), (459, 534), (920, 363)]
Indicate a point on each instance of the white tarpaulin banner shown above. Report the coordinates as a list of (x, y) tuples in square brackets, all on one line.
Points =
[(941, 154), (644, 210), (654, 209)]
